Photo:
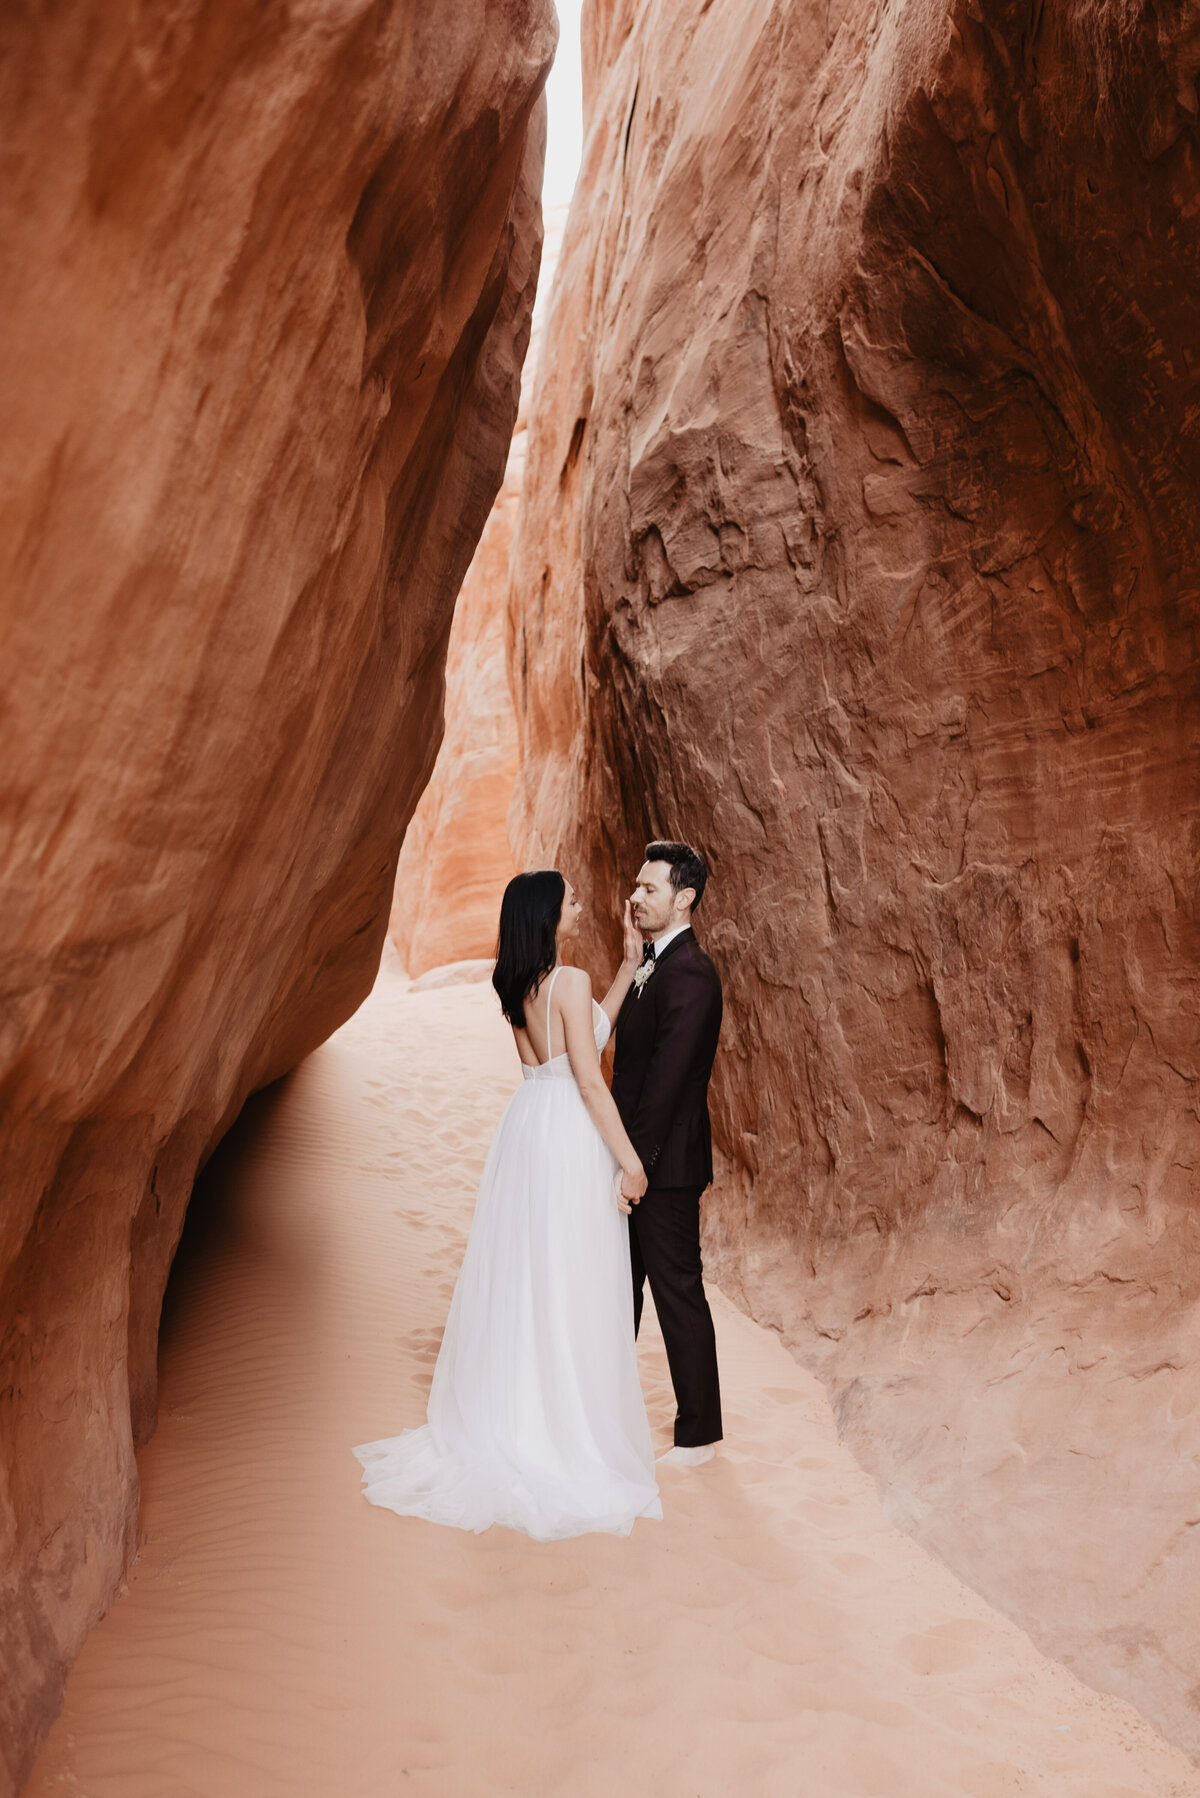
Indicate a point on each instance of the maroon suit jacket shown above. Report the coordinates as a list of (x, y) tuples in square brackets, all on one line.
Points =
[(666, 1040)]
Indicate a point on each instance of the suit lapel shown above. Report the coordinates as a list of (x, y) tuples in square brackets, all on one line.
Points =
[(676, 942), (640, 1006)]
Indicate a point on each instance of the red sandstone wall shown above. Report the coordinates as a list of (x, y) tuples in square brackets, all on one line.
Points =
[(456, 859), (266, 292), (859, 544)]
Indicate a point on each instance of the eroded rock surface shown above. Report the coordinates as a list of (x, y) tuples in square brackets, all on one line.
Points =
[(266, 288), (860, 544), (456, 859)]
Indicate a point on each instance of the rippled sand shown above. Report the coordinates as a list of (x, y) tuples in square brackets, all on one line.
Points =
[(775, 1636)]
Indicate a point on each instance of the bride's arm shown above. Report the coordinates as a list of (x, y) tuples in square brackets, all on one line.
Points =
[(614, 998), (573, 996)]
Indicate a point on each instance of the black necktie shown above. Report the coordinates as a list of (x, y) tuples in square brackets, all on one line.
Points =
[(647, 953)]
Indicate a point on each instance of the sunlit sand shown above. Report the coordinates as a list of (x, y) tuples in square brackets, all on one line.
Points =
[(775, 1636)]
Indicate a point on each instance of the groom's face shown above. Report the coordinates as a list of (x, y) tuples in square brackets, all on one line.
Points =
[(654, 900)]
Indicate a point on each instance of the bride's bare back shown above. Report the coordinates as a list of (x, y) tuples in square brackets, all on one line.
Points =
[(563, 1026)]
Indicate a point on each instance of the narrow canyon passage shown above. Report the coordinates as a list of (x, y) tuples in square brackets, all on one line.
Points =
[(776, 1635)]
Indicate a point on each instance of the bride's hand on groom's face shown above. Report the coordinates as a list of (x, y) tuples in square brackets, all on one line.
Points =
[(633, 939)]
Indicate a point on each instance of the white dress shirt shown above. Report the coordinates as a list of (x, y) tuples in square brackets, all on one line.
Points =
[(661, 942)]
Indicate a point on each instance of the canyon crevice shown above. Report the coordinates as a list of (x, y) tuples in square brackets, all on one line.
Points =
[(266, 287), (859, 544), (456, 859)]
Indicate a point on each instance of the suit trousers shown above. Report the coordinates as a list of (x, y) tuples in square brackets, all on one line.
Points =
[(664, 1248)]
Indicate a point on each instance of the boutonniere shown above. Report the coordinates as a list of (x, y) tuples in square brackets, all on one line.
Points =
[(643, 974)]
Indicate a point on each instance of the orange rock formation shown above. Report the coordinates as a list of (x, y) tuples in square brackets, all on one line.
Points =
[(456, 859), (861, 544), (266, 294)]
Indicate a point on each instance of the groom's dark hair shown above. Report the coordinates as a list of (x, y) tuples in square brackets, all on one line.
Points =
[(688, 867)]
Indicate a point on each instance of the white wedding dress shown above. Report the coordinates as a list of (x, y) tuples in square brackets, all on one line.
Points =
[(535, 1418)]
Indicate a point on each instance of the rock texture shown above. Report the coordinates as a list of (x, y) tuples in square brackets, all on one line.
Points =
[(456, 859), (266, 286), (861, 543)]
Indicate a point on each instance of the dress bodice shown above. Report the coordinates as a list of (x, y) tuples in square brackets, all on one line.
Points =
[(603, 1028), (559, 1066)]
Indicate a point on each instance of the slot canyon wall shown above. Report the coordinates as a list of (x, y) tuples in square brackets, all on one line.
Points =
[(859, 543), (267, 283), (456, 859)]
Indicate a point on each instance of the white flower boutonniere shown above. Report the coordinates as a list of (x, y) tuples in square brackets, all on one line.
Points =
[(643, 974)]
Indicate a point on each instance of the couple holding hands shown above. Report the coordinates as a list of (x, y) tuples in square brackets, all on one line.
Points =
[(535, 1417)]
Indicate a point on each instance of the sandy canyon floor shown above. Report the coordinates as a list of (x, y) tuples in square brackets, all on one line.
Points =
[(775, 1636)]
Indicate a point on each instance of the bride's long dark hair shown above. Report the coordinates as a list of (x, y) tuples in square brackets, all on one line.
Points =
[(527, 948)]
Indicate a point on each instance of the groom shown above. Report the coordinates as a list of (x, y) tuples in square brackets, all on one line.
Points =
[(666, 1039)]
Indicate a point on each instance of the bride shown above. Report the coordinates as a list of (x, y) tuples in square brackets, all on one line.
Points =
[(536, 1417)]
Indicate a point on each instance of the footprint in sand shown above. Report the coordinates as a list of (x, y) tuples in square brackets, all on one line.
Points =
[(422, 1345)]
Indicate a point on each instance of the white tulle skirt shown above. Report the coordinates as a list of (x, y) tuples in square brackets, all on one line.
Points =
[(535, 1418)]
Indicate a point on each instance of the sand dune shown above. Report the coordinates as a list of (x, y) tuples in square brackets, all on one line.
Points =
[(775, 1636)]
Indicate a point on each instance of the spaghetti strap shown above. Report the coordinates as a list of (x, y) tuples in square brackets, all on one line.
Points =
[(549, 990)]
